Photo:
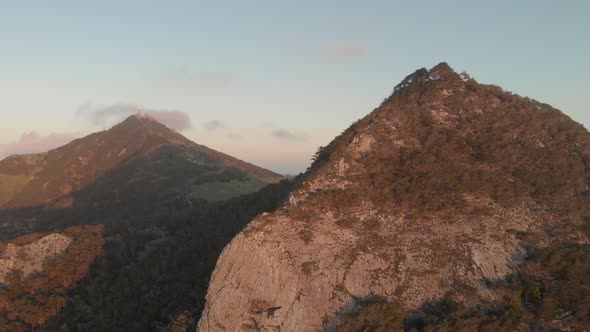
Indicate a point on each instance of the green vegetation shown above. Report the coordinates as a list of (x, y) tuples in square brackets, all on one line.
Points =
[(308, 268), (221, 191), (156, 265), (161, 245), (320, 157), (306, 235), (373, 313), (324, 153)]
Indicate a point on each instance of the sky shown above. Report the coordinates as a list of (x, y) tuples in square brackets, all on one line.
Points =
[(268, 81)]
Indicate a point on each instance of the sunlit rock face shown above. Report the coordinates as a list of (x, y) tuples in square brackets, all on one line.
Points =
[(426, 197)]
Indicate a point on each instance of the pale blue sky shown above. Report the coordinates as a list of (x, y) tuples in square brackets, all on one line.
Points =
[(276, 78)]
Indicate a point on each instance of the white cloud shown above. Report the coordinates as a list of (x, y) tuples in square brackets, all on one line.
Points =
[(215, 125), (346, 51), (287, 135), (106, 115), (33, 142)]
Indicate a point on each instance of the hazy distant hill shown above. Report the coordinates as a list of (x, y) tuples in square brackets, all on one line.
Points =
[(162, 158), (453, 206)]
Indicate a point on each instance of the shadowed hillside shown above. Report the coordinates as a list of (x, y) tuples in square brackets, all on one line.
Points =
[(165, 208)]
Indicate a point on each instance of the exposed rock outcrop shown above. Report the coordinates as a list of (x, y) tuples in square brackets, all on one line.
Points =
[(423, 198), (37, 271), (29, 258)]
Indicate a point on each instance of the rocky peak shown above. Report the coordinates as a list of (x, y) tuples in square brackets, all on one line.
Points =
[(141, 121), (145, 130), (422, 199), (443, 71), (442, 74)]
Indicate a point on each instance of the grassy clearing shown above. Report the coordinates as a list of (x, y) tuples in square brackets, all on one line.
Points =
[(221, 190)]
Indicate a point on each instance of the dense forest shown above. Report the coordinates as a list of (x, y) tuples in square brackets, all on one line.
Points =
[(154, 267), (156, 271)]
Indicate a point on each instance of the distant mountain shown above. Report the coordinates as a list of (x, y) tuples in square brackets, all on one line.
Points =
[(452, 206), (120, 230), (50, 178)]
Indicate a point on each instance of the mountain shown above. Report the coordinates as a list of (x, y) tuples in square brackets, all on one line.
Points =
[(120, 230), (51, 178), (452, 206)]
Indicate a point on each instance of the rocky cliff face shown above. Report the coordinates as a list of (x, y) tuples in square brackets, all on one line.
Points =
[(434, 194)]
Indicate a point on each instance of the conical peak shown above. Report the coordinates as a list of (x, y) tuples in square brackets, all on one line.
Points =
[(140, 121), (137, 124)]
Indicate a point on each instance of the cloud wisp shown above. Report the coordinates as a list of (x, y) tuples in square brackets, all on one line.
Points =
[(288, 135), (174, 119), (346, 51), (107, 115), (234, 136), (33, 142), (214, 125)]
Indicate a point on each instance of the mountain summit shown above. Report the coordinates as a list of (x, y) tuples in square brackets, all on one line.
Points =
[(51, 177), (428, 203)]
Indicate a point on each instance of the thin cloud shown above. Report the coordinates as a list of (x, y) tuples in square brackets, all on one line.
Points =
[(287, 135), (174, 119), (234, 136), (33, 142), (107, 115), (84, 107), (214, 125), (346, 51)]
